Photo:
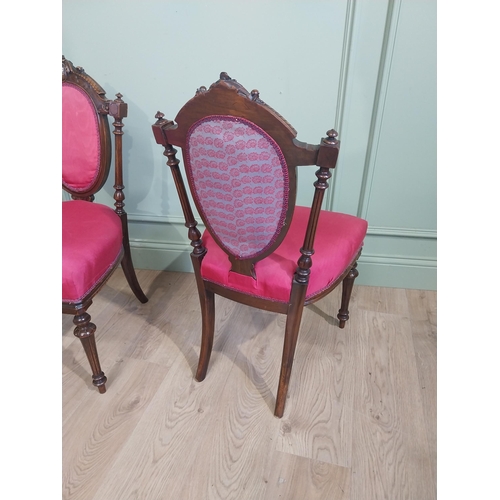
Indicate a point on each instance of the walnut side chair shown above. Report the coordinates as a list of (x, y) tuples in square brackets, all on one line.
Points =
[(95, 237), (259, 249)]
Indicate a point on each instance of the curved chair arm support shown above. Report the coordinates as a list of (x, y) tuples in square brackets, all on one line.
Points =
[(327, 155), (160, 128), (323, 155), (118, 110), (328, 150)]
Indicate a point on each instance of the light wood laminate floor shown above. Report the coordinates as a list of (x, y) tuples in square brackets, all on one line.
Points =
[(359, 423)]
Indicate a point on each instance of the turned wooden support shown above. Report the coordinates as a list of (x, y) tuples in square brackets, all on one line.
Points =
[(326, 161), (207, 298), (305, 261), (194, 234), (118, 110), (347, 285), (293, 319), (328, 150), (207, 304), (85, 332), (160, 130)]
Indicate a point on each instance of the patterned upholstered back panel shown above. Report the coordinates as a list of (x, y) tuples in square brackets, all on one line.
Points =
[(80, 139), (240, 182)]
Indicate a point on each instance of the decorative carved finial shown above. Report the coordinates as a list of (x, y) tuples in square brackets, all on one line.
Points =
[(231, 82), (332, 134), (66, 67), (117, 108), (160, 120), (332, 137), (103, 109)]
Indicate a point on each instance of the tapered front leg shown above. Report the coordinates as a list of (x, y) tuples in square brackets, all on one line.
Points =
[(85, 332), (207, 303), (133, 282), (347, 285), (128, 266), (294, 317)]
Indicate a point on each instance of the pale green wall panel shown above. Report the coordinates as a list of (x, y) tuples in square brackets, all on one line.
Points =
[(399, 192), (402, 191), (157, 53), (363, 53), (348, 64)]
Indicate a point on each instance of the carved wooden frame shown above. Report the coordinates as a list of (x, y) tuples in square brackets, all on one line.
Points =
[(84, 328), (228, 97)]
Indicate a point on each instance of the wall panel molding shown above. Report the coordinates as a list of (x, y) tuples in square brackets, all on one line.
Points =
[(397, 272), (342, 92), (403, 231), (389, 40), (402, 269), (371, 76), (367, 22)]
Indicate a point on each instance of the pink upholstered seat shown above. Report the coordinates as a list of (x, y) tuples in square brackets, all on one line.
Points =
[(91, 246), (336, 245)]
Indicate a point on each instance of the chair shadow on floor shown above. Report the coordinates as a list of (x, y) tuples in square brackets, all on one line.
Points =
[(226, 327), (164, 297)]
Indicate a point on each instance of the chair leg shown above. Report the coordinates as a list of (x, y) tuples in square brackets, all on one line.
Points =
[(129, 271), (85, 332), (207, 303), (347, 285), (293, 320)]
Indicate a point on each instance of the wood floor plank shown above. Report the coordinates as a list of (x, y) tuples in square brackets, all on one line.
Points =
[(102, 425), (243, 439), (115, 314), (163, 327), (317, 423), (165, 442), (380, 299), (423, 308), (391, 457), (359, 421), (111, 311), (298, 478), (422, 305)]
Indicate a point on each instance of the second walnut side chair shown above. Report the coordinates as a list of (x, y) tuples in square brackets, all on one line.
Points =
[(259, 248), (95, 237)]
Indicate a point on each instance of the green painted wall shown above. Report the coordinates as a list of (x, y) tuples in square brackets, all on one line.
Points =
[(367, 68)]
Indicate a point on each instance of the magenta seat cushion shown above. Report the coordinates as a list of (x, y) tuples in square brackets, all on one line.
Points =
[(80, 139), (91, 246), (338, 240)]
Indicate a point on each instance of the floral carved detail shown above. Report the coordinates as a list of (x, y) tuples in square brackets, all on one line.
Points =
[(67, 68), (69, 72), (254, 95)]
